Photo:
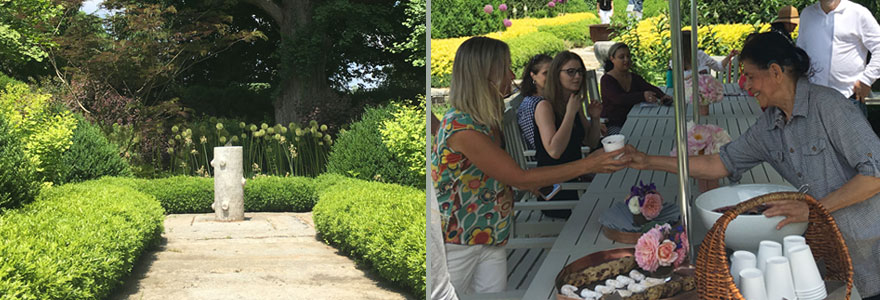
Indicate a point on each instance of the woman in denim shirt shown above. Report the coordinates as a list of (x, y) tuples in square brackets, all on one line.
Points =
[(809, 140)]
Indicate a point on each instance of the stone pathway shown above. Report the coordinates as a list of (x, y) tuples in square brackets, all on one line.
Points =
[(268, 256)]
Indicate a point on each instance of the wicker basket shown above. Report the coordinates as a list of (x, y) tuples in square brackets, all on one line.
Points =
[(713, 273)]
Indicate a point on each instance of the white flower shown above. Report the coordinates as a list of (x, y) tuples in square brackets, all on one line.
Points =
[(633, 204)]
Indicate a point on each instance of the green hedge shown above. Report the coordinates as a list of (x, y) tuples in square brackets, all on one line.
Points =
[(524, 47), (577, 33), (18, 176), (382, 225), (91, 155), (361, 152), (186, 194), (75, 241)]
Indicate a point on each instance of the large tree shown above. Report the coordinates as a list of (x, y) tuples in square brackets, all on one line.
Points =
[(327, 43)]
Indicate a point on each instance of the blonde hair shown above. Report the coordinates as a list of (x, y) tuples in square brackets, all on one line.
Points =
[(479, 68), (553, 90)]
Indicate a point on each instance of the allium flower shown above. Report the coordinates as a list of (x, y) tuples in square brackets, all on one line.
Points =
[(323, 127), (252, 127), (241, 125), (174, 129), (488, 8), (552, 3), (264, 126), (219, 126), (327, 138), (223, 140), (502, 7), (270, 130), (646, 252), (203, 139), (234, 139), (507, 23), (652, 207)]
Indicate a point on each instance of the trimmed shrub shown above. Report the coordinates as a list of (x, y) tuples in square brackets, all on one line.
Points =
[(328, 180), (280, 194), (381, 225), (181, 194), (76, 241), (91, 156), (361, 153), (577, 33), (522, 48), (18, 178), (186, 194)]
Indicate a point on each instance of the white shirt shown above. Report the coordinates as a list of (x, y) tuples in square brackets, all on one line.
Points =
[(852, 32), (705, 62)]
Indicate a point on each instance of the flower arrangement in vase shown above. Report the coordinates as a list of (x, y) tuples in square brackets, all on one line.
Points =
[(661, 250), (704, 139), (644, 203), (711, 91)]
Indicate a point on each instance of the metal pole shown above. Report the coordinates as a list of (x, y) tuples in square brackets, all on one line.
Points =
[(680, 124), (695, 68)]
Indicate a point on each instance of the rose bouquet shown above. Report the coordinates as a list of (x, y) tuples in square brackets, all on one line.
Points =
[(711, 90), (644, 203), (662, 249), (704, 139)]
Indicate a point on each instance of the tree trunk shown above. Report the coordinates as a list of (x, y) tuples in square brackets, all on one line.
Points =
[(304, 88), (228, 184)]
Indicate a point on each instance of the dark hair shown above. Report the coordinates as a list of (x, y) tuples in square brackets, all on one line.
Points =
[(527, 86), (553, 90), (611, 51), (780, 28), (764, 49)]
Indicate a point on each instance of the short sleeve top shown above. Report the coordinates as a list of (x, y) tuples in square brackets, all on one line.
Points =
[(475, 208)]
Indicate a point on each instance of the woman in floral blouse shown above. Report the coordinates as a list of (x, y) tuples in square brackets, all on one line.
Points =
[(472, 174)]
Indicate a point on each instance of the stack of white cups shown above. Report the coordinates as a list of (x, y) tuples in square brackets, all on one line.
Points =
[(772, 276)]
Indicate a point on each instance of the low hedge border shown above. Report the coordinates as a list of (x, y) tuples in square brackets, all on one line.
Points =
[(188, 194), (381, 225), (76, 241)]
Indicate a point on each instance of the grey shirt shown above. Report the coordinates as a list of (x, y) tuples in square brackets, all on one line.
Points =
[(825, 144)]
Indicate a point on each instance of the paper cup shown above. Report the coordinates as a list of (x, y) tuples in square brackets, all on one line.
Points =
[(804, 271), (778, 279), (790, 242), (741, 260), (767, 249), (613, 142), (752, 284)]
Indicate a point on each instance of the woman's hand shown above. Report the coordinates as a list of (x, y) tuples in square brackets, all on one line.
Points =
[(595, 110), (794, 212), (726, 61), (638, 160), (650, 97), (574, 104), (603, 162)]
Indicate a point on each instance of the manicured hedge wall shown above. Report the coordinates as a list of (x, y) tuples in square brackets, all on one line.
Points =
[(382, 225), (187, 194), (76, 241)]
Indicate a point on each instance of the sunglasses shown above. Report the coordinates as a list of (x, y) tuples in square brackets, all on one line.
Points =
[(573, 71)]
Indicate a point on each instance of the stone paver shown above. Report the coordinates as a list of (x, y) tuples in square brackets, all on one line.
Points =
[(268, 256)]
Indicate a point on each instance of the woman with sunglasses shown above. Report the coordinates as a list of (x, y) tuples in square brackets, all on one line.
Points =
[(622, 89), (559, 121), (472, 174)]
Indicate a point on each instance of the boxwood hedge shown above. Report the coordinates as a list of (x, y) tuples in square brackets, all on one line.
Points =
[(187, 194), (76, 241), (379, 224)]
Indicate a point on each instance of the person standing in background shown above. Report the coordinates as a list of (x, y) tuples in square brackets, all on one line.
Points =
[(634, 9), (606, 10), (786, 21), (838, 34)]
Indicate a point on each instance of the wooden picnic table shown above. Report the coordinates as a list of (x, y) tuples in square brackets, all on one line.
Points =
[(651, 129)]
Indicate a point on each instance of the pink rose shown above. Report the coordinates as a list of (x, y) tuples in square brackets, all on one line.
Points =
[(666, 254), (488, 8), (682, 252), (646, 252), (502, 7), (507, 23), (652, 207)]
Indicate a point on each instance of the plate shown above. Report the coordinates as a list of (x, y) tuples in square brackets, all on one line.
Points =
[(597, 258)]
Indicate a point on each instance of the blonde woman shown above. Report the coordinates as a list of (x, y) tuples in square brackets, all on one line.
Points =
[(473, 175)]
